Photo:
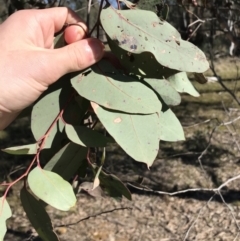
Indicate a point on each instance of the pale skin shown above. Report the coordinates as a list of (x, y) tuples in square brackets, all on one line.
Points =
[(28, 62)]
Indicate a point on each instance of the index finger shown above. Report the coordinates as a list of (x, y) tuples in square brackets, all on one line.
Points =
[(60, 16)]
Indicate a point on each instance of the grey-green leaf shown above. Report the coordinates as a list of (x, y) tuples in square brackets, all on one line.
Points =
[(84, 136), (110, 88), (96, 181), (182, 84), (30, 149), (136, 134), (170, 127), (5, 213), (59, 41), (200, 78), (142, 31), (67, 161), (143, 64), (169, 95), (114, 186), (38, 216), (47, 108), (51, 188), (75, 110)]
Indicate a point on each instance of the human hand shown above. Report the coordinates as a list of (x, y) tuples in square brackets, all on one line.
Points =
[(28, 62)]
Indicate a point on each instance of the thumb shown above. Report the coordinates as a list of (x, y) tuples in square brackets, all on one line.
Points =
[(76, 56)]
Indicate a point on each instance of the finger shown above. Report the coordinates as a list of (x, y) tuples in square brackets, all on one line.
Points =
[(74, 57), (60, 16), (74, 33)]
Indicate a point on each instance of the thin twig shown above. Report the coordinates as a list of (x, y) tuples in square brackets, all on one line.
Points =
[(230, 209), (233, 134), (195, 30), (207, 147), (214, 190), (94, 216), (88, 13), (221, 82), (195, 221), (236, 238)]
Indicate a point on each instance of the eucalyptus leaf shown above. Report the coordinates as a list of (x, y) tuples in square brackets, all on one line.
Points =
[(82, 170), (57, 142), (114, 186), (142, 31), (182, 84), (51, 188), (47, 108), (143, 64), (59, 41), (170, 127), (148, 5), (96, 181), (159, 7), (67, 161), (165, 90), (88, 188), (29, 149), (5, 213), (84, 136), (136, 134), (200, 78), (38, 216), (75, 110), (110, 88)]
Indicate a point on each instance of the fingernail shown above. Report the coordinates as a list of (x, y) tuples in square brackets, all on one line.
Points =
[(81, 32)]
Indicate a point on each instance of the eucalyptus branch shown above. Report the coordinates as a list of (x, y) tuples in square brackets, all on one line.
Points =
[(88, 13), (213, 190)]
